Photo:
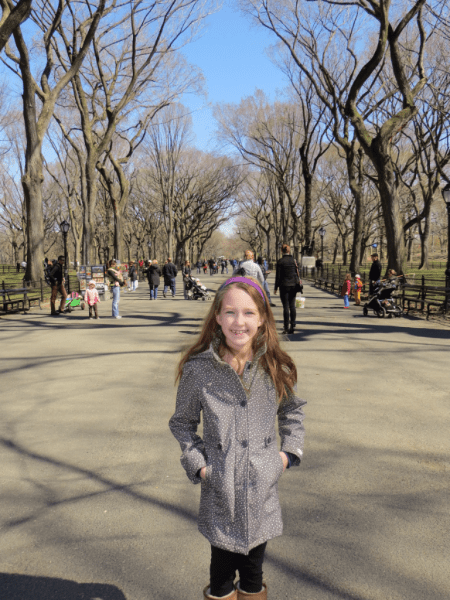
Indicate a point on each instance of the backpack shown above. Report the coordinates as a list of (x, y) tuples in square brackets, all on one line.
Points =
[(47, 270)]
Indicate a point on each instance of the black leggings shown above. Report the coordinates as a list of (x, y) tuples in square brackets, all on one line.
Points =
[(224, 565), (287, 296)]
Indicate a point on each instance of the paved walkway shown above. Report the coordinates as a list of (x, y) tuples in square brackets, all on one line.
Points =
[(94, 503)]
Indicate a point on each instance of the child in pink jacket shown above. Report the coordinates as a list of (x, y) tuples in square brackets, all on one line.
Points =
[(91, 298)]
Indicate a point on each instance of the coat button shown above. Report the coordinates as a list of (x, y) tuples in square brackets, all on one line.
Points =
[(244, 444), (244, 403), (219, 446), (269, 439)]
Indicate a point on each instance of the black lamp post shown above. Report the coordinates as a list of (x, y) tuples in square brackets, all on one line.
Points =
[(65, 226), (322, 235), (446, 194)]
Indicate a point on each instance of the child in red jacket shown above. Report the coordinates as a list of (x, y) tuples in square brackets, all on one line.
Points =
[(346, 288)]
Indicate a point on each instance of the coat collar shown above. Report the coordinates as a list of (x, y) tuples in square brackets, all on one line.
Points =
[(217, 340)]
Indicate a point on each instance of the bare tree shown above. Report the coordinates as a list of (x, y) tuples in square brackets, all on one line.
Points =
[(127, 80), (13, 15), (317, 35), (269, 137), (39, 101)]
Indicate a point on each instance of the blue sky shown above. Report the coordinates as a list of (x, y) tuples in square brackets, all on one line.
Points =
[(231, 54)]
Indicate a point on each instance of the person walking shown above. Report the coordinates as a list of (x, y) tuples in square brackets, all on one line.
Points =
[(199, 266), (153, 273), (205, 267), (91, 298), (170, 272), (374, 273), (250, 268), (266, 285), (286, 280), (186, 271), (237, 461), (132, 276), (57, 280), (211, 264), (346, 289), (115, 279)]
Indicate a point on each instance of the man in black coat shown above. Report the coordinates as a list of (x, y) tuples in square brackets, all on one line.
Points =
[(374, 273), (57, 280), (169, 273)]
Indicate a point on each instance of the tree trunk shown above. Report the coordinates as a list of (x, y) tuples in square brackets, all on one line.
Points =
[(344, 250), (335, 251), (390, 206), (355, 183), (308, 207), (89, 211), (32, 187)]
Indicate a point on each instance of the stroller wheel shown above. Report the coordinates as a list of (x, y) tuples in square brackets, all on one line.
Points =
[(382, 313), (365, 311), (82, 305)]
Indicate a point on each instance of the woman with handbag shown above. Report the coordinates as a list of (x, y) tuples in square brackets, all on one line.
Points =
[(287, 279), (115, 279)]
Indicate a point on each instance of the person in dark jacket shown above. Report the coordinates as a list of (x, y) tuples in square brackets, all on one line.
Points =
[(153, 273), (169, 273), (132, 276), (199, 266), (265, 272), (186, 274), (57, 281), (286, 280), (374, 273)]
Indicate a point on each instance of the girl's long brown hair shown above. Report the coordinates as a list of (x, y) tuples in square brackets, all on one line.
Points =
[(275, 361)]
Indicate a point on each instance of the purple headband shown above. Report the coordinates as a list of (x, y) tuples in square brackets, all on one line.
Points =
[(244, 280)]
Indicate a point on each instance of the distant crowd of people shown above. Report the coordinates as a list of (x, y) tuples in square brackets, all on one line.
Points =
[(287, 280)]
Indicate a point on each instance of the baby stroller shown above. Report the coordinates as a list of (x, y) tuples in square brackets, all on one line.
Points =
[(383, 301), (195, 290)]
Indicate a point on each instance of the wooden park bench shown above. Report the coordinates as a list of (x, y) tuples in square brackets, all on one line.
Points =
[(22, 303), (18, 303), (426, 296)]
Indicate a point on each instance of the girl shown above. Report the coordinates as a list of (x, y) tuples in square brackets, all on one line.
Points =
[(238, 376), (116, 282), (91, 298), (346, 287)]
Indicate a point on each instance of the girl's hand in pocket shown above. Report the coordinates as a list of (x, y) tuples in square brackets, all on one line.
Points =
[(284, 458)]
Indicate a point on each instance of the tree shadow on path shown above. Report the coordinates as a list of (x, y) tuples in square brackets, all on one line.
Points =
[(28, 587)]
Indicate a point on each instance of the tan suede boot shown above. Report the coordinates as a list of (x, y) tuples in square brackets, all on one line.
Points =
[(262, 595), (207, 595)]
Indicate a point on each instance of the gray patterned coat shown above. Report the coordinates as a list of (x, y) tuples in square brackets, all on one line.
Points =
[(239, 506)]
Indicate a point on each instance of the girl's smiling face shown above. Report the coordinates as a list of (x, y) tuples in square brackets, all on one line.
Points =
[(239, 318)]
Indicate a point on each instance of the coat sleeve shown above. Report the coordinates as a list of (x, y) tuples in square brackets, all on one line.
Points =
[(277, 277), (260, 275), (184, 423), (290, 425)]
